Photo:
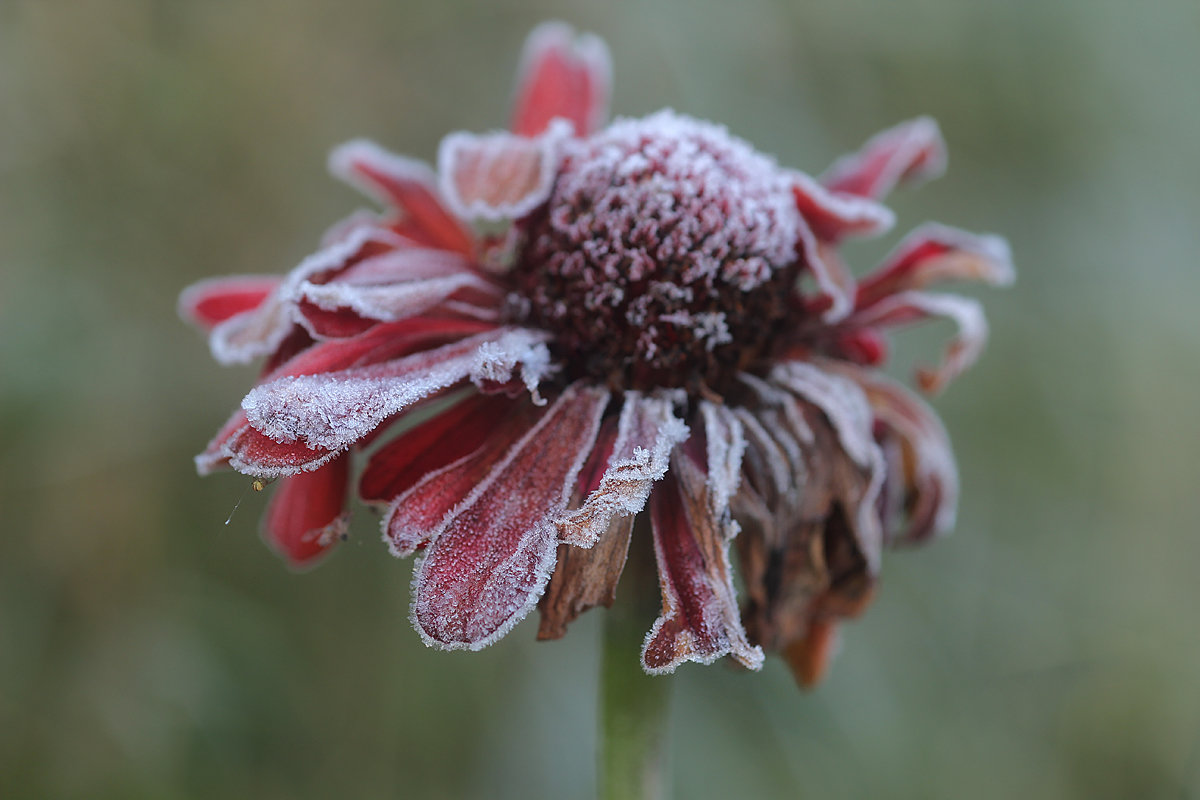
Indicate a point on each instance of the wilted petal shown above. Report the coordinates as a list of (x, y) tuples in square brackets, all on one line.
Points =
[(429, 446), (564, 76), (912, 150), (809, 656), (833, 279), (585, 578), (498, 176), (210, 302), (935, 253), (492, 557), (306, 514), (417, 512), (909, 307), (833, 216), (700, 620), (927, 474), (332, 410), (724, 444), (647, 432), (406, 184)]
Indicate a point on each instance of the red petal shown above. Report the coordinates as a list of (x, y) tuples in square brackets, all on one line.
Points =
[(499, 176), (254, 453), (834, 216), (414, 516), (647, 433), (215, 455), (305, 516), (408, 185), (493, 555), (700, 620), (561, 76), (912, 150), (935, 253), (210, 302), (429, 446)]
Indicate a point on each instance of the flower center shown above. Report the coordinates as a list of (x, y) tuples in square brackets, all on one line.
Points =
[(665, 255)]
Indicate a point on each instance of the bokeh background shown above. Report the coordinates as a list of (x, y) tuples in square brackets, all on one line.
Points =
[(1049, 649)]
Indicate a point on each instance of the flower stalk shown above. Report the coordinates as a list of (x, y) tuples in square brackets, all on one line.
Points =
[(634, 706)]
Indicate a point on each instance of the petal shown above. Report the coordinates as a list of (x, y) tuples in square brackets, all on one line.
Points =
[(254, 453), (407, 184), (585, 578), (935, 253), (429, 446), (215, 456), (809, 657), (647, 432), (210, 302), (305, 516), (909, 307), (415, 515), (833, 216), (725, 445), (332, 410), (832, 277), (562, 76), (699, 620), (910, 151), (498, 176), (492, 557), (927, 473)]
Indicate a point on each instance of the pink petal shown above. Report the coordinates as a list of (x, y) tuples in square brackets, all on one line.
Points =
[(418, 511), (647, 432), (833, 216), (305, 516), (935, 253), (210, 302), (429, 446), (908, 307), (387, 303), (408, 185), (493, 555), (832, 277), (498, 176), (562, 76), (700, 619), (334, 409), (912, 150)]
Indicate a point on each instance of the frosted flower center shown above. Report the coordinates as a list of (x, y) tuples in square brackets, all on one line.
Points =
[(664, 256)]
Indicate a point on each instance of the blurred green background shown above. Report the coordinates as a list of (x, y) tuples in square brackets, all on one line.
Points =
[(1049, 649)]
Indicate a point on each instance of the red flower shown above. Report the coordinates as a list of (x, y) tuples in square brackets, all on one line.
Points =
[(663, 324)]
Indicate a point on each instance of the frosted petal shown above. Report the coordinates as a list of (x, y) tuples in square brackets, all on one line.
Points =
[(833, 216), (564, 76), (405, 183), (725, 444), (910, 151), (840, 399), (492, 557), (334, 409), (647, 432), (210, 302), (498, 176), (934, 253), (700, 619), (391, 302), (306, 514)]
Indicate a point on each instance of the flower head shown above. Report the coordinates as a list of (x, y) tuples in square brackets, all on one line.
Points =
[(663, 326)]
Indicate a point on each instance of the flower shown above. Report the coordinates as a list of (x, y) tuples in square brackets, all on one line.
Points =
[(658, 321)]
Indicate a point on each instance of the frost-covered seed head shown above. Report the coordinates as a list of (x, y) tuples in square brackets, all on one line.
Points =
[(664, 256)]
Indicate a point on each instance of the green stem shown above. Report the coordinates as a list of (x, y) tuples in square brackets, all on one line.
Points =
[(633, 705)]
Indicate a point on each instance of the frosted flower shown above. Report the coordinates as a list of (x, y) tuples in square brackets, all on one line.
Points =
[(663, 325)]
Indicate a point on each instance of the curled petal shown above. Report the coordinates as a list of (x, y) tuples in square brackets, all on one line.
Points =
[(491, 558), (833, 216), (215, 456), (699, 620), (408, 185), (909, 307), (647, 432), (833, 279), (254, 453), (725, 444), (305, 516), (910, 151), (498, 176), (332, 410), (562, 76), (395, 301), (210, 302), (935, 253)]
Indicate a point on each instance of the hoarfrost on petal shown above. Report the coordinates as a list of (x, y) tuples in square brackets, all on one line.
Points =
[(725, 444), (912, 150), (564, 76)]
